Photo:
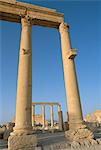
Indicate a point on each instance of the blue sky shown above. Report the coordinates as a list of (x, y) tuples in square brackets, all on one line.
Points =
[(48, 81)]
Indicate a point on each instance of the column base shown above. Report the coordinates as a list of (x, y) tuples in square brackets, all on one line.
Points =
[(23, 131), (79, 133), (76, 124), (22, 142), (80, 136)]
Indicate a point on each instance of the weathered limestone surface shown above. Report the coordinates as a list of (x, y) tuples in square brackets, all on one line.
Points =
[(94, 117), (24, 142), (5, 130), (79, 134), (7, 134)]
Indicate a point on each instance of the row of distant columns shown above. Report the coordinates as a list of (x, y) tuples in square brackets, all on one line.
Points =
[(51, 116), (24, 91)]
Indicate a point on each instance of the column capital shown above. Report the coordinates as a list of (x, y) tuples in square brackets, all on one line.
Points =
[(26, 21), (64, 27)]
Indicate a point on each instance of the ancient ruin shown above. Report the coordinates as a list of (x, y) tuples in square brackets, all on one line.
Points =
[(43, 121), (23, 136)]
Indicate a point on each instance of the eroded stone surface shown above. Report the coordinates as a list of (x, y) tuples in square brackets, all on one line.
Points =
[(94, 117), (81, 137), (25, 142), (79, 134), (9, 129)]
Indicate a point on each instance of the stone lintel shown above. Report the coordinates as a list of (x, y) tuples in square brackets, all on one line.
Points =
[(45, 103), (40, 15)]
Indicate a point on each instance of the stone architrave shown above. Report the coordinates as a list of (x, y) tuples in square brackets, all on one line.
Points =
[(77, 129), (9, 1), (23, 136)]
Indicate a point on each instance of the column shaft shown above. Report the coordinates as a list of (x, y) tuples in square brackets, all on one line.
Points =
[(33, 115), (24, 89), (59, 108), (43, 115), (71, 84), (52, 116), (60, 120)]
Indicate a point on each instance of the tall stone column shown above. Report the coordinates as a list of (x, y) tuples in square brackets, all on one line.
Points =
[(24, 89), (71, 85), (60, 115), (52, 116), (43, 115), (23, 124), (33, 115)]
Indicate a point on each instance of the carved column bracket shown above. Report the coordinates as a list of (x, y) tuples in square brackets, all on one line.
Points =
[(71, 53)]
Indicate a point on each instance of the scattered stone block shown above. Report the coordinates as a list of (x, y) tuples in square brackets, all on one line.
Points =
[(24, 142), (7, 134)]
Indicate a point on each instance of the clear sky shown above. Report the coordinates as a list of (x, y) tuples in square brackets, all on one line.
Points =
[(48, 81)]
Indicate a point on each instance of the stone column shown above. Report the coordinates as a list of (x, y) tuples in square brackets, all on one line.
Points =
[(23, 124), (24, 89), (71, 84), (59, 108), (52, 116), (33, 115), (60, 115), (76, 127), (43, 115)]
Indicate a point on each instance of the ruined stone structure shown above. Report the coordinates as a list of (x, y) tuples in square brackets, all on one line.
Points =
[(43, 104), (94, 117), (29, 15)]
